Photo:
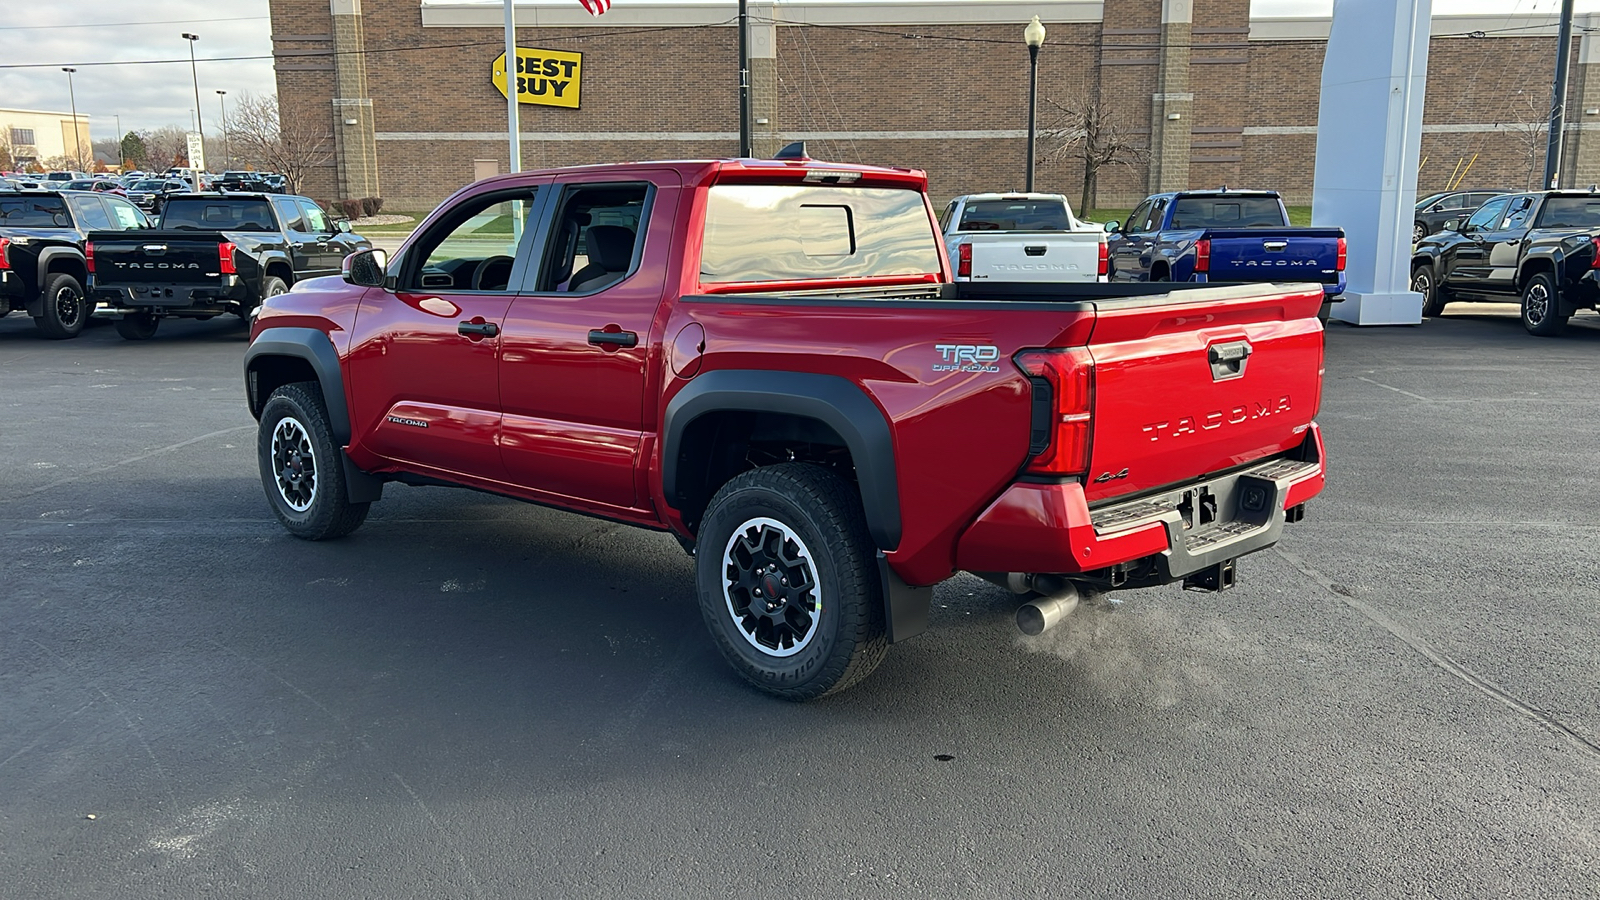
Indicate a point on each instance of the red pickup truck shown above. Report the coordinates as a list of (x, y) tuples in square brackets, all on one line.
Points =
[(770, 360)]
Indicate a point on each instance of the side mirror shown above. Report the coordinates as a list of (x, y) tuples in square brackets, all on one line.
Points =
[(1113, 227), (342, 226), (366, 268), (1436, 207)]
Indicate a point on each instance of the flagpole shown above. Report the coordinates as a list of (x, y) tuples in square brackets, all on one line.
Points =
[(744, 80), (513, 126)]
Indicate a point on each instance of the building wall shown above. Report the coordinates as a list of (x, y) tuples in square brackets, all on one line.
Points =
[(52, 133), (1212, 97)]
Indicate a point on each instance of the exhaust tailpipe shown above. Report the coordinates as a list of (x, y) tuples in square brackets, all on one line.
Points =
[(1042, 613)]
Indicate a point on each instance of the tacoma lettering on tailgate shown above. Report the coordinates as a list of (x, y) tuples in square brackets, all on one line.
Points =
[(1216, 419)]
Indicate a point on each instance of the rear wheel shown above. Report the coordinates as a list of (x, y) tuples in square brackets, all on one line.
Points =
[(1541, 307), (1434, 297), (787, 581), (300, 466), (65, 310), (1418, 232), (139, 326), (272, 286)]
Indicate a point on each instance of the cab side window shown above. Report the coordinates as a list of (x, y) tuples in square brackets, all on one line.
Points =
[(1517, 216), (1158, 211), (289, 212), (595, 237), (1488, 214), (944, 217), (126, 216), (90, 214), (477, 247)]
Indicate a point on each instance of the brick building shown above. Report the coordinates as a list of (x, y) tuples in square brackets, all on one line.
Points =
[(1210, 95)]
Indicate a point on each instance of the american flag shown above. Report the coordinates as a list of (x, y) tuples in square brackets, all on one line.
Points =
[(596, 7)]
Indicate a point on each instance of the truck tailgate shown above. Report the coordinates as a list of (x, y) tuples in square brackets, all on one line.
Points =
[(1190, 384), (1039, 256), (155, 257), (1275, 254)]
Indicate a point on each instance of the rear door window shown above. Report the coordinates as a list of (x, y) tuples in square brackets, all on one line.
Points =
[(91, 215), (770, 232), (289, 212), (595, 238), (125, 214)]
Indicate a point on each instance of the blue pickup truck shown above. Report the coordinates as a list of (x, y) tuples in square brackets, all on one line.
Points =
[(1223, 235)]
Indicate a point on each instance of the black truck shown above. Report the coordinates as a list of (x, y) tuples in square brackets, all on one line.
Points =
[(1537, 249), (43, 268), (212, 254)]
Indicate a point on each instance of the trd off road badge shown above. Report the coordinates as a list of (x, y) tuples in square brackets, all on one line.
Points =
[(967, 358)]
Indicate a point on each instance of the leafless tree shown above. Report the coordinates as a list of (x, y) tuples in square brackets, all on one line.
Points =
[(1087, 131), (8, 153), (1529, 128), (290, 146), (164, 147)]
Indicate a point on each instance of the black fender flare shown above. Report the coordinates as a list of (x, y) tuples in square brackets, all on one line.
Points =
[(830, 399), (270, 257), (316, 349), (35, 303), (1555, 259)]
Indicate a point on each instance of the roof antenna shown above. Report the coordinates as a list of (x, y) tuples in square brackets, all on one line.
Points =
[(796, 150)]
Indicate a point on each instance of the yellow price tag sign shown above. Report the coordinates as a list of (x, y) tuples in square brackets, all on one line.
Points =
[(545, 77)]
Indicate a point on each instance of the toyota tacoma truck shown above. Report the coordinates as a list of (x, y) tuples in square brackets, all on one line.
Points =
[(43, 271), (768, 359), (1224, 236), (214, 253), (1021, 237), (1537, 250)]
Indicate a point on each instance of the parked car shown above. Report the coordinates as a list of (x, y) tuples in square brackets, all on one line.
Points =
[(65, 176), (803, 398), (97, 185), (151, 193), (43, 266), (1536, 249), (1435, 210), (1227, 236), (1021, 237), (245, 181), (215, 253)]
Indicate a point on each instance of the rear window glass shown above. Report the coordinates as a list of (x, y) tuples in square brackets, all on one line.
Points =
[(1015, 215), (205, 214), (762, 232), (34, 212), (1227, 212), (1570, 212)]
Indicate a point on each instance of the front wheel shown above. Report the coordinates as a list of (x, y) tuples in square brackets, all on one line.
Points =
[(787, 581), (1541, 307), (300, 466), (1433, 296), (1418, 232), (66, 308)]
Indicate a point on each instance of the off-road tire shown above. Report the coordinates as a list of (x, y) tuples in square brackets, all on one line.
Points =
[(1541, 306), (140, 326), (66, 308), (1434, 295), (272, 286), (846, 638), (294, 439)]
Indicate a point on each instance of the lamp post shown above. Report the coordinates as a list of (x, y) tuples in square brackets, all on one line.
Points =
[(77, 139), (1034, 35), (227, 148), (199, 123)]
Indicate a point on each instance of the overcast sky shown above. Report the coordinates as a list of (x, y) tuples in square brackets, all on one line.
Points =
[(80, 32)]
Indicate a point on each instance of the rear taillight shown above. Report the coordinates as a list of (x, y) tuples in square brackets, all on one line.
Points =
[(1063, 400), (1105, 258), (964, 260), (88, 257), (1594, 261), (5, 246), (1343, 247), (1202, 255), (225, 259)]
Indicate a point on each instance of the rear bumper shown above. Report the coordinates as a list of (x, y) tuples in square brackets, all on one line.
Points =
[(12, 286), (1156, 539), (230, 289), (1329, 289)]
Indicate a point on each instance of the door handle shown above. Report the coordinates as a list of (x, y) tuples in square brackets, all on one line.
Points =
[(480, 329), (615, 338)]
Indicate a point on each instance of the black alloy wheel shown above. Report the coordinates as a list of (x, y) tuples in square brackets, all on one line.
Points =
[(1541, 307), (1418, 232), (1433, 298), (66, 308)]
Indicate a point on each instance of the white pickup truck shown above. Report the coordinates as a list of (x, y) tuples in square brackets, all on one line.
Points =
[(1021, 237)]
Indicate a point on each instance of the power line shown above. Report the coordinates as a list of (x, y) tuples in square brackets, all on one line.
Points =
[(130, 24)]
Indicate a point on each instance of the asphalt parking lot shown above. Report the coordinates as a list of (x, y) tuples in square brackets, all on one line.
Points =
[(471, 697)]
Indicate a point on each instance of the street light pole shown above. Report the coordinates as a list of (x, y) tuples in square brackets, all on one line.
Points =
[(745, 150), (227, 148), (77, 139), (199, 123), (1034, 36), (1558, 99)]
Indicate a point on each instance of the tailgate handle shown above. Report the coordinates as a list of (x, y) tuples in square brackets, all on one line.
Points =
[(1274, 246), (154, 248), (1034, 251), (1227, 360)]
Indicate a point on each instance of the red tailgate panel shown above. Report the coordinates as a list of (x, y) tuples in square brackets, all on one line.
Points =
[(1170, 406)]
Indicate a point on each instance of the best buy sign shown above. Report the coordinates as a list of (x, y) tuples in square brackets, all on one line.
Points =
[(545, 77)]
